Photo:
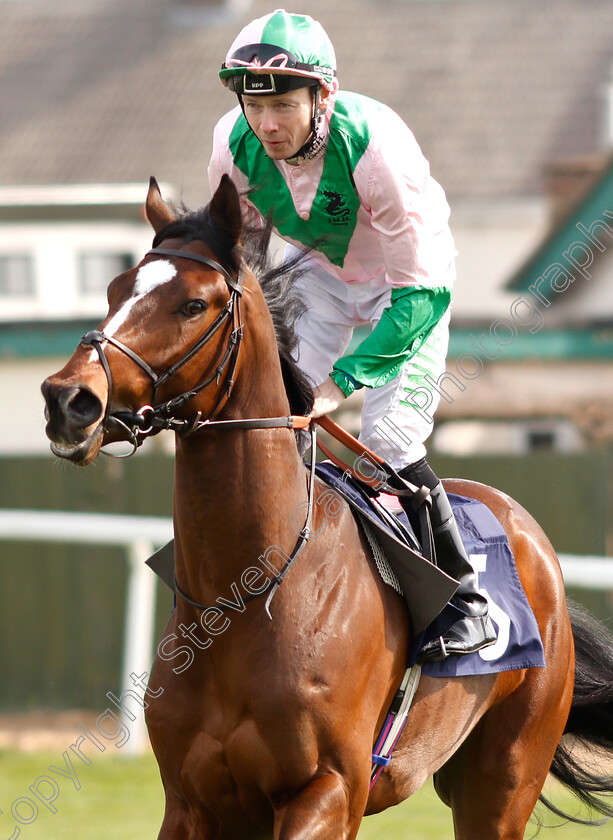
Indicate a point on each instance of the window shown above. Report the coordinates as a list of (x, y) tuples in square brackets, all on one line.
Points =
[(498, 437), (96, 269), (541, 439), (16, 275)]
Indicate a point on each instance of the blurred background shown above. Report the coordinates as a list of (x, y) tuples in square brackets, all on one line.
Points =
[(512, 104)]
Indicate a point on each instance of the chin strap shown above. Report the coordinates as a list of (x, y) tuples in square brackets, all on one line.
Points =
[(317, 140)]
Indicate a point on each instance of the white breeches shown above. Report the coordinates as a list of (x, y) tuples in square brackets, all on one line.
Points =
[(396, 417)]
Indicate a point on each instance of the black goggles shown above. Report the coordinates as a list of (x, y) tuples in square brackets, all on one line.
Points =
[(268, 56), (253, 84)]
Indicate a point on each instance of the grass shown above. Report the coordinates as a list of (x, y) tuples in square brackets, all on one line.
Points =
[(121, 798), (118, 797)]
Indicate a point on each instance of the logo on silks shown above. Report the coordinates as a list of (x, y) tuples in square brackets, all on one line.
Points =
[(335, 207)]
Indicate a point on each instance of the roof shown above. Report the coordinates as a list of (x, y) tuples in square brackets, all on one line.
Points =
[(52, 202), (112, 91), (579, 239)]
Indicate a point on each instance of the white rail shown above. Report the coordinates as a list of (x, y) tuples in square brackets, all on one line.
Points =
[(587, 571), (140, 535)]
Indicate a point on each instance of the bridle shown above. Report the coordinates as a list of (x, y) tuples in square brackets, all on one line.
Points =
[(151, 419)]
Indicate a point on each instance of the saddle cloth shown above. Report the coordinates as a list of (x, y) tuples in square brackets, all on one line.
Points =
[(519, 643)]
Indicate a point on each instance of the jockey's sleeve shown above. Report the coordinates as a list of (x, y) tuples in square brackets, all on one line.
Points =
[(402, 329)]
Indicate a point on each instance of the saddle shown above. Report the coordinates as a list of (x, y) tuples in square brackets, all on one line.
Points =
[(426, 588)]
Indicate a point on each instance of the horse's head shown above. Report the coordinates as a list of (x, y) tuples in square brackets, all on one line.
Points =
[(170, 340)]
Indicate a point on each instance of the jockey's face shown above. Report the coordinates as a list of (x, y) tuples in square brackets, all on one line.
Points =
[(282, 123)]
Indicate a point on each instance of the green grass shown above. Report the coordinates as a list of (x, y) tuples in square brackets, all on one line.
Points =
[(121, 799), (118, 797)]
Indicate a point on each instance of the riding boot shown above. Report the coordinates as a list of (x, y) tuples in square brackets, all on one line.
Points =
[(475, 630)]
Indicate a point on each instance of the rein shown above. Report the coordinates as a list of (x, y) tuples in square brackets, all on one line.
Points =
[(420, 496), (384, 478)]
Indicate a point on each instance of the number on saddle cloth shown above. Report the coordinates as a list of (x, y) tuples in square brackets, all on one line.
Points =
[(519, 643)]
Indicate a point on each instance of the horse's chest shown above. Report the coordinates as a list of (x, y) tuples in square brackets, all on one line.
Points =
[(217, 760)]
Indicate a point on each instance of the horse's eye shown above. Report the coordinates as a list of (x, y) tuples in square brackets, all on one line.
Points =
[(194, 307)]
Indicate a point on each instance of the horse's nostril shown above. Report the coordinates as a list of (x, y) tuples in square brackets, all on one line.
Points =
[(85, 404), (80, 405)]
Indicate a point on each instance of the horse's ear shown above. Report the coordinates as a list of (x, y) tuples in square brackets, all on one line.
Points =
[(225, 208), (159, 214)]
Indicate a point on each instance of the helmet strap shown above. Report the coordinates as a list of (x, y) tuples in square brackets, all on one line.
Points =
[(316, 114), (315, 142)]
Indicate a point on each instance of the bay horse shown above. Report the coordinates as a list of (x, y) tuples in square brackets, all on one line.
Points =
[(263, 715)]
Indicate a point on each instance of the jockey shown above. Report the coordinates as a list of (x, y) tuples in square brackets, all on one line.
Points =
[(341, 176)]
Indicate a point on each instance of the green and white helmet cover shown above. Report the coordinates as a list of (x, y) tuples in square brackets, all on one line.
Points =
[(280, 44)]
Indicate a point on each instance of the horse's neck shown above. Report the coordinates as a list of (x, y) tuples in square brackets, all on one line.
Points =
[(239, 492)]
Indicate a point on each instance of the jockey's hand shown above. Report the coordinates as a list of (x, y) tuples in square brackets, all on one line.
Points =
[(328, 396)]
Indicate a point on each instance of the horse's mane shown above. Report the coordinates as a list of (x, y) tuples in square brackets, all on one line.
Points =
[(277, 281)]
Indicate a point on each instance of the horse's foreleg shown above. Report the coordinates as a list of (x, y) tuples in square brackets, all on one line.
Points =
[(180, 823), (175, 825), (321, 811)]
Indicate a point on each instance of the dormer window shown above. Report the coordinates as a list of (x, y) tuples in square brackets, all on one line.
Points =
[(96, 269), (16, 275)]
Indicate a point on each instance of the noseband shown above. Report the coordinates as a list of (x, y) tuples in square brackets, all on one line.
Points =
[(152, 418)]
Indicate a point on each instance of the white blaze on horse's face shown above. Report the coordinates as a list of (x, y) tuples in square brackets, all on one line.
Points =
[(149, 277), (152, 275)]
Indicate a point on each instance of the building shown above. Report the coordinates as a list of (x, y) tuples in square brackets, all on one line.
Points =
[(100, 94), (541, 372)]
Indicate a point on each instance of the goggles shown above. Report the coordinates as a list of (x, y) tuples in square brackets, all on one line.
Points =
[(243, 71), (267, 83)]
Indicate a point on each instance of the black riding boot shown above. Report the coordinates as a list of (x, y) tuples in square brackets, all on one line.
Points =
[(475, 630)]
